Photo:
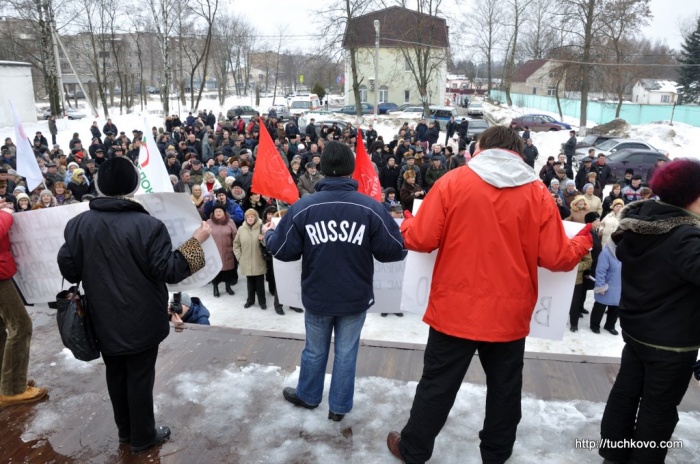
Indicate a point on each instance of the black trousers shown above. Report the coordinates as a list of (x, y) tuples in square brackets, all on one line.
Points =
[(270, 276), (130, 381), (643, 401), (256, 284), (576, 304), (597, 316), (445, 364)]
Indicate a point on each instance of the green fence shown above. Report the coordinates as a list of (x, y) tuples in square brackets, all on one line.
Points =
[(604, 112)]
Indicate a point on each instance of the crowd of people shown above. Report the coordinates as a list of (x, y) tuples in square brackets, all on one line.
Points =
[(212, 159)]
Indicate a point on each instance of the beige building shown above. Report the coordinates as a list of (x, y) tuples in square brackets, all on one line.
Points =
[(654, 92), (397, 64), (538, 77)]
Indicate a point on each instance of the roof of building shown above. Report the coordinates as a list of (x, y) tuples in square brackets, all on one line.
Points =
[(14, 63), (398, 27), (527, 69), (658, 85)]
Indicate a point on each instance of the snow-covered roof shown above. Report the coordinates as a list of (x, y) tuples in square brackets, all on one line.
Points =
[(658, 85)]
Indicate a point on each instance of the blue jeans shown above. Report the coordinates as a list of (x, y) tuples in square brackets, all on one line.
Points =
[(314, 358)]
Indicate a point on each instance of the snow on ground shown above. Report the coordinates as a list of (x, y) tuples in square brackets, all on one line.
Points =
[(259, 426)]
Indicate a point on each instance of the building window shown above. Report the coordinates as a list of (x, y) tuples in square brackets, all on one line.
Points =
[(407, 96), (383, 94), (551, 91), (454, 85), (534, 90), (665, 99), (363, 93), (407, 65)]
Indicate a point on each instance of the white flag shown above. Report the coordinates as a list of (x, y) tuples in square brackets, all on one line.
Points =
[(153, 177), (27, 166)]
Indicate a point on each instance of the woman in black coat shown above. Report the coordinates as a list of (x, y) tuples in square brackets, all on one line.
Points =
[(124, 257), (659, 313)]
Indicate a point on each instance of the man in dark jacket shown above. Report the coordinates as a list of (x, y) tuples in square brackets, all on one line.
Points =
[(110, 127), (336, 228), (389, 174), (432, 135), (530, 153), (114, 246), (95, 131), (451, 128), (658, 314), (603, 170), (570, 148), (310, 130)]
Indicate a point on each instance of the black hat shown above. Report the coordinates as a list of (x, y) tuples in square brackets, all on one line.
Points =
[(219, 205), (117, 147), (337, 160), (236, 183), (99, 150), (629, 171), (220, 190), (310, 164), (636, 177), (117, 177), (51, 165)]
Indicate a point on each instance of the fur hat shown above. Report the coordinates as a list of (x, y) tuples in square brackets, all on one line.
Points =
[(591, 217), (677, 183), (219, 205), (579, 198), (117, 177), (337, 160), (617, 201)]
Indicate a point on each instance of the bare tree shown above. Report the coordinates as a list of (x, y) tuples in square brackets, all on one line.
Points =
[(206, 9), (484, 24), (163, 22), (540, 30), (517, 9), (624, 17)]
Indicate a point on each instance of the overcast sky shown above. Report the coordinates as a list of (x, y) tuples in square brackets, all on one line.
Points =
[(299, 19)]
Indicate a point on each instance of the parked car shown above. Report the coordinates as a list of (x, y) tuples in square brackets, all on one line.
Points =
[(152, 90), (282, 112), (383, 108), (409, 112), (350, 109), (72, 113), (476, 127), (612, 146), (403, 107), (593, 140), (236, 111), (641, 160), (320, 122), (539, 123), (475, 109)]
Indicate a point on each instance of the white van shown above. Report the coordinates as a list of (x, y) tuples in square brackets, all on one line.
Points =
[(300, 105)]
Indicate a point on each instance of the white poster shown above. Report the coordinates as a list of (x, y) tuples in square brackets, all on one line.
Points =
[(36, 236)]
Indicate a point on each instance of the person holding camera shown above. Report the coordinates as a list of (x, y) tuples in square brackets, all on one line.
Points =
[(124, 257), (188, 309)]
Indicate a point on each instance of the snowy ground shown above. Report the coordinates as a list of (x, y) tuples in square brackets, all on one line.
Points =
[(257, 425)]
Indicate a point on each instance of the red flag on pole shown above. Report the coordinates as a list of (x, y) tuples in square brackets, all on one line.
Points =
[(271, 176), (365, 175)]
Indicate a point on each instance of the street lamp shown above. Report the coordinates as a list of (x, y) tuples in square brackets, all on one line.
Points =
[(376, 69)]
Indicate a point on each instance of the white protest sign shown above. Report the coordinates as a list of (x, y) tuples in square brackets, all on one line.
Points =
[(36, 236), (388, 279), (554, 292)]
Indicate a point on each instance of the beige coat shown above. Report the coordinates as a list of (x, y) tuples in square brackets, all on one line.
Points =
[(608, 225), (594, 203), (246, 247)]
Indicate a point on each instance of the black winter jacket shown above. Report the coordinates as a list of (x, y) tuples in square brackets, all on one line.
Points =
[(660, 255), (124, 257), (338, 231)]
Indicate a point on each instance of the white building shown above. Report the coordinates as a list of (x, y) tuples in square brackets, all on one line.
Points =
[(654, 92), (16, 87), (396, 83)]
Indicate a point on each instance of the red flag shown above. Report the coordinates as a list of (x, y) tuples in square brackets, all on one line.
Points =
[(365, 175), (271, 176)]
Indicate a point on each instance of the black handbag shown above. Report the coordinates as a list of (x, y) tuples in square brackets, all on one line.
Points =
[(74, 324)]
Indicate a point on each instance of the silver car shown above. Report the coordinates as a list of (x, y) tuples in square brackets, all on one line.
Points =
[(283, 113), (475, 109), (611, 146)]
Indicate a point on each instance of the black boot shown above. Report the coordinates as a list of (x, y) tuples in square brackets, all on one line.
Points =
[(229, 290), (216, 290)]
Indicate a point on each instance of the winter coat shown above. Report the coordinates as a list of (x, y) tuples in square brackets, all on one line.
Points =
[(197, 314), (232, 208), (307, 184), (505, 254), (607, 202), (389, 176), (530, 155), (569, 196), (223, 235), (608, 225), (594, 204), (124, 258), (407, 197), (432, 136), (608, 272), (246, 247), (432, 175), (583, 266), (578, 215), (8, 266), (339, 232), (659, 251)]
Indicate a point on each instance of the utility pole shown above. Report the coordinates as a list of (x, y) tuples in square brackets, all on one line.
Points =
[(376, 69), (59, 74)]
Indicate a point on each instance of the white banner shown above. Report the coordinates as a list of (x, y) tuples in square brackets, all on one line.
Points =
[(153, 177), (36, 236)]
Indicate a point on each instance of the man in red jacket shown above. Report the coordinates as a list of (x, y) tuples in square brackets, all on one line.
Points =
[(15, 326), (484, 288)]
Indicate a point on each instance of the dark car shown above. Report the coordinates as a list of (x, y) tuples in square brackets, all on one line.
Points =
[(384, 107), (632, 158), (476, 127), (593, 140), (350, 109), (538, 123), (236, 111)]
